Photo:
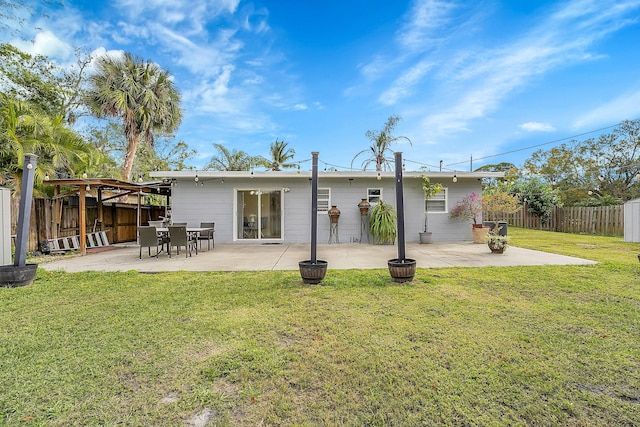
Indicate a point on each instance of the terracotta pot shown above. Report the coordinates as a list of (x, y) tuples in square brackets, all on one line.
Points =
[(364, 206), (334, 213), (479, 233)]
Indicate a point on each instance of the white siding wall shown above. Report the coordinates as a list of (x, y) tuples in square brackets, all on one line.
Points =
[(632, 221), (214, 202)]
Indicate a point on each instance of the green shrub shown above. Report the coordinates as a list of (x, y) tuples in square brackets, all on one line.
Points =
[(382, 223)]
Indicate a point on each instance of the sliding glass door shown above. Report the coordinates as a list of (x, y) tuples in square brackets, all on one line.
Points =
[(259, 214)]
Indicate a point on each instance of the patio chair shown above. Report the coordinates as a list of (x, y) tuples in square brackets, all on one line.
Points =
[(184, 224), (207, 235), (179, 237), (157, 224), (149, 238)]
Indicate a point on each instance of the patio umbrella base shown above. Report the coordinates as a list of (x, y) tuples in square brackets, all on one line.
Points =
[(311, 272), (12, 276)]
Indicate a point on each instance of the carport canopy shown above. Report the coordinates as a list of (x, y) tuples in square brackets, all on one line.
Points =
[(80, 186)]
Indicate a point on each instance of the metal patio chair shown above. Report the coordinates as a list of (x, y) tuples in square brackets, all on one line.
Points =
[(179, 237), (207, 235)]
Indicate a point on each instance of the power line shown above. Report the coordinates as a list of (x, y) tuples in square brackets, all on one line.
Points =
[(539, 145)]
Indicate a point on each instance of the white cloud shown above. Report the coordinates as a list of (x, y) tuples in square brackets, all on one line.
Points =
[(48, 44), (478, 85), (402, 86), (190, 15), (536, 127), (624, 107), (300, 107), (426, 17)]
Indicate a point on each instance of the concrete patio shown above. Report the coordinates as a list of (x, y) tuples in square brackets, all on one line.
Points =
[(245, 257)]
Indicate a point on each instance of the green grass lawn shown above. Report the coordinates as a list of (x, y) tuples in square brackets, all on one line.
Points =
[(556, 345)]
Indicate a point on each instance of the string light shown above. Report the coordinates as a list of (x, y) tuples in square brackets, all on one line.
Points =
[(84, 174), (455, 178), (378, 177)]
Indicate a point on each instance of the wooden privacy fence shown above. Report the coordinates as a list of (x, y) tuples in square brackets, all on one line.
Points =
[(600, 220), (119, 220)]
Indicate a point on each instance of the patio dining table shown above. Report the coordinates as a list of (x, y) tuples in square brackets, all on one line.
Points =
[(194, 231)]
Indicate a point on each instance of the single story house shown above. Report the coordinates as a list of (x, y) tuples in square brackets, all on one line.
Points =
[(275, 206)]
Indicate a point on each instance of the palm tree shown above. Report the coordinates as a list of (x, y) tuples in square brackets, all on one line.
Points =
[(381, 153), (280, 155), (139, 93), (230, 160), (25, 129)]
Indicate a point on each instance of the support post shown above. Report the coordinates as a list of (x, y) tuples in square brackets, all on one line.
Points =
[(24, 214), (82, 216), (400, 207), (314, 206)]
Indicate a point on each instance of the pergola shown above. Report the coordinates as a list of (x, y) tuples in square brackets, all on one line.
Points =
[(117, 188)]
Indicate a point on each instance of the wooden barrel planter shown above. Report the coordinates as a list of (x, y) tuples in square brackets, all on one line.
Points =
[(402, 270), (311, 272), (12, 276)]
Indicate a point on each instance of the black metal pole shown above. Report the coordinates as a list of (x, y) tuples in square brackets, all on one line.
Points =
[(24, 213), (400, 207), (314, 206)]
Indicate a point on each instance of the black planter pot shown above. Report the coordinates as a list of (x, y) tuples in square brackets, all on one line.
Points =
[(402, 270), (13, 276), (501, 226), (312, 273)]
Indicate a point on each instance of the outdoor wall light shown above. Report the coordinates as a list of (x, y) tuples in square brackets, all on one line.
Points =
[(29, 166), (286, 189)]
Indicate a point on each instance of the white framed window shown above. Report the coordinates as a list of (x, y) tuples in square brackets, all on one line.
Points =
[(374, 195), (324, 199), (437, 203)]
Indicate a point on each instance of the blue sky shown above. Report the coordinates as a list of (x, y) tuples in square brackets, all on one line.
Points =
[(468, 78)]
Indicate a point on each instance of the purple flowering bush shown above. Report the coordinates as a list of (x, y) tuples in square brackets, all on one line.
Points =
[(468, 208)]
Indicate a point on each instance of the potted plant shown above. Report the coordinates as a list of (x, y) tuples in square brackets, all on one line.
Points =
[(470, 208), (497, 243), (382, 223), (429, 190), (497, 204)]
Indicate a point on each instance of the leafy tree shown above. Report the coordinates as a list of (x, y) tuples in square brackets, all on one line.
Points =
[(497, 203), (609, 164), (429, 189), (233, 160), (24, 128), (56, 91), (280, 155), (540, 197), (140, 94), (380, 151)]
